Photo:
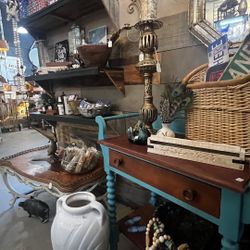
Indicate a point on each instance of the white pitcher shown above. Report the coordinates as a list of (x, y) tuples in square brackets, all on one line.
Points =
[(81, 223)]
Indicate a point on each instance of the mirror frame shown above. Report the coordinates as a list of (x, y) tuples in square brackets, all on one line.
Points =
[(198, 25)]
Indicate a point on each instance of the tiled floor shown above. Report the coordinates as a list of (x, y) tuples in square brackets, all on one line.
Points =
[(17, 230)]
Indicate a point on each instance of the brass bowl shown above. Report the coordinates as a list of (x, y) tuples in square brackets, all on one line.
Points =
[(94, 54)]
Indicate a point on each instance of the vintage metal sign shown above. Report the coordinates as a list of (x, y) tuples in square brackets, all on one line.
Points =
[(240, 64)]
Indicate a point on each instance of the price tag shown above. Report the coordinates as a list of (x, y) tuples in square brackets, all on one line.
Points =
[(141, 56), (110, 44), (158, 65)]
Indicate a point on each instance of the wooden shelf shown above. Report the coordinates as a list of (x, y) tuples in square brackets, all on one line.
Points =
[(146, 212), (63, 118), (91, 71), (58, 14), (91, 76)]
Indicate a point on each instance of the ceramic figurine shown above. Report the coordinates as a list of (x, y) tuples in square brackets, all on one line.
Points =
[(138, 134), (37, 208)]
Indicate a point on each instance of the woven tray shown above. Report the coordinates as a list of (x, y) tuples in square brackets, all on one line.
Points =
[(221, 110)]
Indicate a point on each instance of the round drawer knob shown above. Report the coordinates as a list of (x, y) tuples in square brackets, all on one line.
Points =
[(117, 162), (189, 194)]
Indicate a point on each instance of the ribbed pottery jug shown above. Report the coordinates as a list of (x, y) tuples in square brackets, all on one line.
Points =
[(81, 223)]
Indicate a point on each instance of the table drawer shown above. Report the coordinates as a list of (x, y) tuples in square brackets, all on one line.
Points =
[(196, 193)]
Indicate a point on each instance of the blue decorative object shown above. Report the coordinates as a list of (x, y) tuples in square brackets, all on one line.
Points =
[(138, 134)]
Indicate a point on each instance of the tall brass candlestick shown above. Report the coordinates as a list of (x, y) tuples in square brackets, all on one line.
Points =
[(148, 9), (148, 45)]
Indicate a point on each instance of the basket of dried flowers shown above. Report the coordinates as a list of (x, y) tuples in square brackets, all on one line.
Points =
[(77, 160)]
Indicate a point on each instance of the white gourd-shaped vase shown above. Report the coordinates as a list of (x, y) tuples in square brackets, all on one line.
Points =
[(81, 223), (165, 131)]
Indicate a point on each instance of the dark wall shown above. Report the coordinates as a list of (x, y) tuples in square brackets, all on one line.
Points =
[(25, 39)]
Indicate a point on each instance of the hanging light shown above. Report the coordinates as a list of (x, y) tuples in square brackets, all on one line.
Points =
[(22, 30), (19, 81)]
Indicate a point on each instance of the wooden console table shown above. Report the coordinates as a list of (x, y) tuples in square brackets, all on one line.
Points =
[(217, 194), (44, 176)]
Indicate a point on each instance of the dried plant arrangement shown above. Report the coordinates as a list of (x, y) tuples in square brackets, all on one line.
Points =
[(176, 97)]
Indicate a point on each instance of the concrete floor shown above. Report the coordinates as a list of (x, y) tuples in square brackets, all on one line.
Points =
[(17, 230)]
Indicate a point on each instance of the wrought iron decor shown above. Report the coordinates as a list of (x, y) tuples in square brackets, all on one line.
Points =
[(135, 4)]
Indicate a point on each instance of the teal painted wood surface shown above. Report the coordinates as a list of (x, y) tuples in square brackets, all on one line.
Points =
[(234, 212), (246, 207), (231, 226), (101, 121)]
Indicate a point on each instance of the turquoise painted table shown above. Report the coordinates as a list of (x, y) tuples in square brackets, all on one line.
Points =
[(217, 194)]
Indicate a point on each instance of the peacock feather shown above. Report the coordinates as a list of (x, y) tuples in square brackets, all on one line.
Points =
[(176, 97)]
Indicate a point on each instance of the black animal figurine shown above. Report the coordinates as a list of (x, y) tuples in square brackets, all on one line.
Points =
[(37, 208)]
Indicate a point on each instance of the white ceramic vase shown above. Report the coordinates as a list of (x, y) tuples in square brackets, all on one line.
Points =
[(165, 131), (81, 223)]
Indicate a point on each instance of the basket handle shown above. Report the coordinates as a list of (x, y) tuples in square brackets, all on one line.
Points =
[(234, 82), (186, 79), (211, 84)]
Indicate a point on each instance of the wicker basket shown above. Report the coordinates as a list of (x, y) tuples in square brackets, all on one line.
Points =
[(221, 110)]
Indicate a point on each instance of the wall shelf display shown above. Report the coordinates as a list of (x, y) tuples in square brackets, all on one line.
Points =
[(91, 76), (58, 14), (63, 118)]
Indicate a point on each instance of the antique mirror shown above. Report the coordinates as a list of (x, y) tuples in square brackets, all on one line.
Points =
[(210, 19)]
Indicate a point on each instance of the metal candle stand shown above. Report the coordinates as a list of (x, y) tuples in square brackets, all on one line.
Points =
[(148, 44)]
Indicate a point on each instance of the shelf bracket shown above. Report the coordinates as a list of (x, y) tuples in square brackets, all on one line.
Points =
[(116, 76)]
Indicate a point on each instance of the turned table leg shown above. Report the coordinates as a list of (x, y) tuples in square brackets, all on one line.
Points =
[(112, 210)]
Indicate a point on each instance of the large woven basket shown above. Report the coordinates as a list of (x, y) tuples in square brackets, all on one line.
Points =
[(220, 111)]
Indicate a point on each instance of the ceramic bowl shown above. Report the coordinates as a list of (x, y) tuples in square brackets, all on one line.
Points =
[(91, 110)]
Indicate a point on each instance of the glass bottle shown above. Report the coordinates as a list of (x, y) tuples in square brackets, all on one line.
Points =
[(60, 106), (74, 37)]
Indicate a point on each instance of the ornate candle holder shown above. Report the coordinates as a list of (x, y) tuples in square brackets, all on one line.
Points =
[(148, 45)]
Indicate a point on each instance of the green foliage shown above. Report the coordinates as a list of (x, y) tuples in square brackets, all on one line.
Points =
[(176, 97)]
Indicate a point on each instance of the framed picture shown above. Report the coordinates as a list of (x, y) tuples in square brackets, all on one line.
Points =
[(98, 35), (62, 51)]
